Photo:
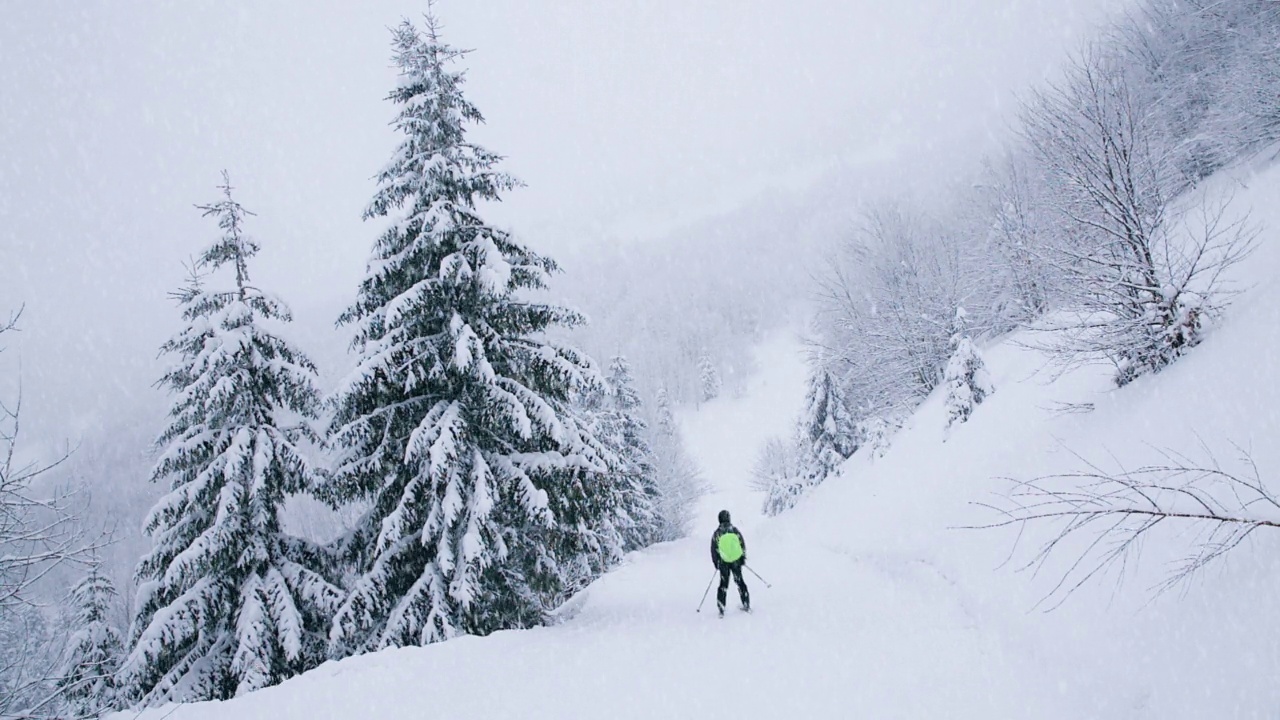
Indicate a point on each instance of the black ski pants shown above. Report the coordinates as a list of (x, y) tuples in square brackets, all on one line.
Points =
[(734, 568)]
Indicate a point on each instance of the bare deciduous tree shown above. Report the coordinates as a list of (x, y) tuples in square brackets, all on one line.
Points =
[(1010, 203), (888, 305), (1208, 70), (1141, 288), (40, 530)]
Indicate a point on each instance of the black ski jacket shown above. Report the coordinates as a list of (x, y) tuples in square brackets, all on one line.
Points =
[(715, 543)]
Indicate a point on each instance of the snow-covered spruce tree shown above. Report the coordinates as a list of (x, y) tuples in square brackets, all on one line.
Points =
[(94, 650), (825, 438), (484, 487), (966, 377), (679, 484), (626, 433), (226, 602), (708, 379), (780, 472), (874, 435), (827, 427), (666, 419)]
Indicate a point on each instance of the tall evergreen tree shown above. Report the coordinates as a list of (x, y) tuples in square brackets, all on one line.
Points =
[(226, 602), (94, 650), (483, 487)]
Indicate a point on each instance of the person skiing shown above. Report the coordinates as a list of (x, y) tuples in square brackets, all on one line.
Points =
[(729, 554)]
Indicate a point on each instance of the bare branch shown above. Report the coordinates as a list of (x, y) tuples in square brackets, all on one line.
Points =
[(1117, 510)]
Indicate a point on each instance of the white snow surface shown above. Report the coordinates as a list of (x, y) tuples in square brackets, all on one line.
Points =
[(880, 607)]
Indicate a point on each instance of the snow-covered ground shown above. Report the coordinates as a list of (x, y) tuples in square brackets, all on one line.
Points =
[(879, 606)]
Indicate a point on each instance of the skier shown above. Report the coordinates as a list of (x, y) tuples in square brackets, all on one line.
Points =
[(729, 554)]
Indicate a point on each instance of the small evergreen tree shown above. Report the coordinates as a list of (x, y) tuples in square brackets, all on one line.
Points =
[(966, 377), (708, 378), (784, 493), (94, 650), (780, 474), (666, 425), (827, 430), (486, 493), (679, 484), (226, 602), (874, 436), (625, 431)]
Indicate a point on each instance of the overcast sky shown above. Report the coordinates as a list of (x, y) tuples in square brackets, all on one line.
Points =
[(624, 117)]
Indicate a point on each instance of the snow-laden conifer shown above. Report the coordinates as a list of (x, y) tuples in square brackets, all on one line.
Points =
[(874, 435), (825, 438), (779, 472), (967, 380), (666, 420), (483, 487), (94, 650), (679, 483), (708, 378), (623, 430), (226, 602), (827, 429)]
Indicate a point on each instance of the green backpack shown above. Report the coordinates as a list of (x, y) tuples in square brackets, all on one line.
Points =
[(730, 547)]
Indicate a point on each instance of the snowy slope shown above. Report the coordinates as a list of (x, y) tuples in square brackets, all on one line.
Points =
[(879, 608)]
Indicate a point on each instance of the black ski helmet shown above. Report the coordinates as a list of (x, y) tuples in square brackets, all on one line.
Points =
[(724, 517)]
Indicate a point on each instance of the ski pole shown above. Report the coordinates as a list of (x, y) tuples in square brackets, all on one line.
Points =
[(706, 592), (753, 572)]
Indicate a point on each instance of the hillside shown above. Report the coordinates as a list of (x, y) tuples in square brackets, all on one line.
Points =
[(880, 606)]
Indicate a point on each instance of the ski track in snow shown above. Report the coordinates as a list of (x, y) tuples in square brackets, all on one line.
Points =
[(879, 607)]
